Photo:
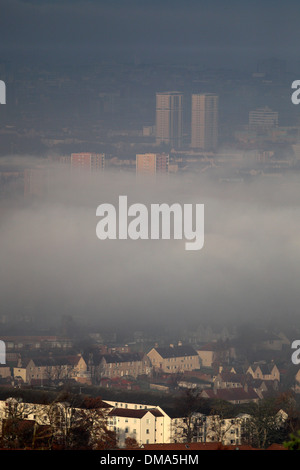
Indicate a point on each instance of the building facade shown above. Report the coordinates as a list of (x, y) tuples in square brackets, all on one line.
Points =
[(204, 121), (126, 364), (174, 359), (152, 163), (263, 119), (169, 118), (86, 161)]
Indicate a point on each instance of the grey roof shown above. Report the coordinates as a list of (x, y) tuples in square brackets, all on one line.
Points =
[(131, 413), (176, 351), (124, 357)]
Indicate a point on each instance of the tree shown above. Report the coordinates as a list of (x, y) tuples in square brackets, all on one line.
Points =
[(287, 402), (131, 443), (219, 425), (20, 432), (188, 406), (79, 422), (94, 419), (294, 441), (265, 426)]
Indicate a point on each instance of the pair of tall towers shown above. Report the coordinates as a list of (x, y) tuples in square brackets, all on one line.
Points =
[(204, 120)]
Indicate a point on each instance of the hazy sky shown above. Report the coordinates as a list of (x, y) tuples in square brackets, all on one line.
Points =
[(213, 32)]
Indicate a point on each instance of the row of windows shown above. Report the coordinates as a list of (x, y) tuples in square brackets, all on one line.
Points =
[(120, 405)]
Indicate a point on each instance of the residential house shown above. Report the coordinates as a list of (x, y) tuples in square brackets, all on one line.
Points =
[(233, 395), (5, 372), (207, 354), (271, 342), (19, 343), (146, 426), (50, 368), (264, 371), (226, 379), (127, 364), (228, 431), (132, 420), (264, 388), (174, 359)]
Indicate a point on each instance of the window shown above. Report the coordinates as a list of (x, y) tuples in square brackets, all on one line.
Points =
[(147, 431)]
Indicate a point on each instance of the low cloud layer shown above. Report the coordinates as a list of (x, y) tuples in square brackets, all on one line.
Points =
[(52, 262)]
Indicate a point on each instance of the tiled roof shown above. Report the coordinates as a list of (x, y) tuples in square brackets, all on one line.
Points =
[(176, 351)]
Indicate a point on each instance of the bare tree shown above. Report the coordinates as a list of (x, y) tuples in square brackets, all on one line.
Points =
[(265, 425), (18, 430), (188, 406)]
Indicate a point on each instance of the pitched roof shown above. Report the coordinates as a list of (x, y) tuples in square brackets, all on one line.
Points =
[(232, 394), (176, 351), (208, 347), (265, 367), (232, 377), (56, 361), (138, 414), (123, 357)]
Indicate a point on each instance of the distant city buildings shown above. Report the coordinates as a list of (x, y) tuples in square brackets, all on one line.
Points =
[(152, 163), (263, 119), (85, 161), (36, 181), (204, 122), (169, 118)]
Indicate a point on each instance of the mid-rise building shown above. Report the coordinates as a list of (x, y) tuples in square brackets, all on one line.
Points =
[(152, 163), (87, 161), (263, 119)]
